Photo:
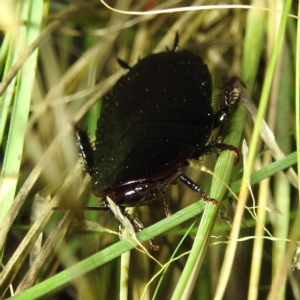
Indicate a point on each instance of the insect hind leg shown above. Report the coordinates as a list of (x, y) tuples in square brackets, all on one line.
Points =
[(137, 225), (217, 146), (196, 188)]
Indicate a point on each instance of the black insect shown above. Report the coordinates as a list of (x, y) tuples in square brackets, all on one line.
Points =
[(155, 118)]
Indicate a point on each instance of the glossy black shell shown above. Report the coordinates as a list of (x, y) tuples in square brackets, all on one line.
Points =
[(156, 117)]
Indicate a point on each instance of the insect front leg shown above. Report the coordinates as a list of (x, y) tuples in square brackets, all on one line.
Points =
[(229, 97)]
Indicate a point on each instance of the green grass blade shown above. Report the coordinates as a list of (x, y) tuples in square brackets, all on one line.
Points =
[(32, 15)]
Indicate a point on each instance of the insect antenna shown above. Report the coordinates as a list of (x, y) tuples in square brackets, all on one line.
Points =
[(95, 208)]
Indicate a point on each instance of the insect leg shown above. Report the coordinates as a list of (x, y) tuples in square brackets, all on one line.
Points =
[(96, 208), (86, 150), (176, 43), (229, 97), (167, 207), (196, 188), (216, 147), (124, 64), (138, 226)]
